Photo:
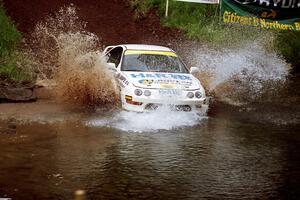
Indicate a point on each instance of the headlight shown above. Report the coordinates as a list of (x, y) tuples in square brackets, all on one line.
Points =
[(190, 95), (138, 92), (198, 94), (147, 93)]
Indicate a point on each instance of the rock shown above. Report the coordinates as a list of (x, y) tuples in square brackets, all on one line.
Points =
[(44, 89), (8, 131), (12, 123), (19, 93), (47, 83)]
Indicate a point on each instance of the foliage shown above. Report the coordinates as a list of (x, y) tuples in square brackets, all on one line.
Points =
[(17, 67), (142, 7), (14, 66), (288, 44), (10, 37)]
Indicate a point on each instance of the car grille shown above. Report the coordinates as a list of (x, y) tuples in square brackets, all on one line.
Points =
[(152, 106), (183, 108)]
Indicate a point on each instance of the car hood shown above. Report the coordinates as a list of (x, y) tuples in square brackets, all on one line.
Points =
[(157, 80)]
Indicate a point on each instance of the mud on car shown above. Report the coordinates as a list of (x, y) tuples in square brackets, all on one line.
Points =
[(150, 77)]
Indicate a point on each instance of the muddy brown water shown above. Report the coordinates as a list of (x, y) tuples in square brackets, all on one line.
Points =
[(48, 151)]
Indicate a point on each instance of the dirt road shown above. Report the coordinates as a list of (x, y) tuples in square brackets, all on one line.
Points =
[(113, 21)]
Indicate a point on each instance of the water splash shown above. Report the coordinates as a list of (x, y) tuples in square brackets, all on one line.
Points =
[(162, 119), (72, 57), (243, 75)]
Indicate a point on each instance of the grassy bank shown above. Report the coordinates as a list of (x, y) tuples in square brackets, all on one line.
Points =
[(288, 44), (198, 21), (202, 22), (15, 66)]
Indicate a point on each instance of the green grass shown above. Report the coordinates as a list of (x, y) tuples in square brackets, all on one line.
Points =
[(14, 66), (288, 44), (17, 68), (198, 21), (10, 37)]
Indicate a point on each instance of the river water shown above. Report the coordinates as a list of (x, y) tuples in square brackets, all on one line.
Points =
[(234, 152)]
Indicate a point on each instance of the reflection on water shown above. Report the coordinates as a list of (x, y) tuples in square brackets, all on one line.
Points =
[(216, 159)]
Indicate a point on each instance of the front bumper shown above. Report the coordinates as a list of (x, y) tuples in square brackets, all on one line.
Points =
[(146, 104)]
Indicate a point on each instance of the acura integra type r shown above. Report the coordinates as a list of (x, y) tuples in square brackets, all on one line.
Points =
[(152, 76)]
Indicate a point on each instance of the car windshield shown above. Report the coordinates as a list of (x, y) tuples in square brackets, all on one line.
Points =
[(152, 61)]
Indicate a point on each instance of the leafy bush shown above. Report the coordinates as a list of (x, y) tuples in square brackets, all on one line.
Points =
[(17, 67), (142, 7), (288, 44), (14, 65), (10, 37)]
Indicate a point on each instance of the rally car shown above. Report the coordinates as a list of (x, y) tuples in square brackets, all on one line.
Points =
[(150, 77)]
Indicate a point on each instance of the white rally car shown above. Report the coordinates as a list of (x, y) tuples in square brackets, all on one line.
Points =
[(152, 76)]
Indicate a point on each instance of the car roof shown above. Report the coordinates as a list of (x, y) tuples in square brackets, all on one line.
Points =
[(146, 47)]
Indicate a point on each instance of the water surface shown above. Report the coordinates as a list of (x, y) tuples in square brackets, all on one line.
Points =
[(222, 156)]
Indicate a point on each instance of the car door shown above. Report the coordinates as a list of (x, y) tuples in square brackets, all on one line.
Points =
[(114, 58), (114, 55)]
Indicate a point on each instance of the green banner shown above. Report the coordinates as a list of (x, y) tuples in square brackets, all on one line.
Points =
[(267, 14)]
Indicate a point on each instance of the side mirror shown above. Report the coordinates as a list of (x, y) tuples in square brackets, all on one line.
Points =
[(194, 70), (112, 67)]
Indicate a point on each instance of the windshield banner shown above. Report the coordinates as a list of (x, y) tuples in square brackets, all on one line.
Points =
[(201, 1), (138, 52), (267, 14)]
